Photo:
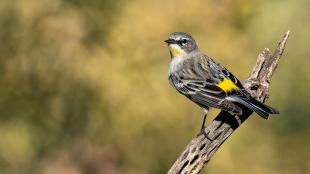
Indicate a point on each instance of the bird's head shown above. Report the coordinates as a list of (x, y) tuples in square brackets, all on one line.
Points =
[(181, 44)]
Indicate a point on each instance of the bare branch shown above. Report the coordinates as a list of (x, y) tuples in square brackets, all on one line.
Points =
[(200, 150)]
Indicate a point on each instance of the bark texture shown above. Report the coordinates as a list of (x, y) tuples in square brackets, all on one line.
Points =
[(200, 150)]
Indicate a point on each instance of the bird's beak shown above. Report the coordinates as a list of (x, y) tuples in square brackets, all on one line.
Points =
[(170, 41)]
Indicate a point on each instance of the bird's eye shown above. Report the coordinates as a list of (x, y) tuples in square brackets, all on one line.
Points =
[(184, 41)]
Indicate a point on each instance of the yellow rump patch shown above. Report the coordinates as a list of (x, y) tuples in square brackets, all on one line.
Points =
[(227, 85), (176, 52)]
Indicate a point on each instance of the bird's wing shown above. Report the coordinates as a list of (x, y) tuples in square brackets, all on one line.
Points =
[(206, 83), (222, 77), (203, 93)]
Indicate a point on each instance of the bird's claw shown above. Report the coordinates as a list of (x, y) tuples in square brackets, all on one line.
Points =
[(202, 132)]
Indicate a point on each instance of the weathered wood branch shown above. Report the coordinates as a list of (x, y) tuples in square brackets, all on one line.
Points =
[(200, 150)]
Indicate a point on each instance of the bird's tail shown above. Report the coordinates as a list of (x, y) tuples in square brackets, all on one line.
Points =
[(258, 107)]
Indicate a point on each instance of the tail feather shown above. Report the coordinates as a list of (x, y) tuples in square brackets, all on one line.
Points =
[(258, 107)]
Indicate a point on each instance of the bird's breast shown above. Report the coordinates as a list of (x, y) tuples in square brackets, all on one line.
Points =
[(175, 65)]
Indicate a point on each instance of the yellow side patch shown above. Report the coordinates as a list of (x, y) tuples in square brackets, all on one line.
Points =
[(227, 85), (176, 52)]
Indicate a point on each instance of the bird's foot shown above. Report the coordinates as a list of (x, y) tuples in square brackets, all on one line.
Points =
[(202, 132), (203, 127)]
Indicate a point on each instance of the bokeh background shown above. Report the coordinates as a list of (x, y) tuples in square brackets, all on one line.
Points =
[(84, 90)]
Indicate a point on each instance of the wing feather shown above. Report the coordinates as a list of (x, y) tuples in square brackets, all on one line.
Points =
[(199, 79)]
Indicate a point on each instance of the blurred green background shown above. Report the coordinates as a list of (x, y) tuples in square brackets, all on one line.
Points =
[(84, 85)]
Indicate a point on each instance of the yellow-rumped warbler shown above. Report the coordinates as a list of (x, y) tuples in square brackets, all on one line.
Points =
[(206, 82)]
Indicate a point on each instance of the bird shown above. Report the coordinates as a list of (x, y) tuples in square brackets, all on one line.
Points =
[(205, 82)]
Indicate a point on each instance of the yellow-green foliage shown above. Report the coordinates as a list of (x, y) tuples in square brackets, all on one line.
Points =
[(84, 85)]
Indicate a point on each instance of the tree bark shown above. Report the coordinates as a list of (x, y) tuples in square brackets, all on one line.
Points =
[(200, 150)]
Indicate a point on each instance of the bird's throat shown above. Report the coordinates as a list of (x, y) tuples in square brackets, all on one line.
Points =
[(176, 52)]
